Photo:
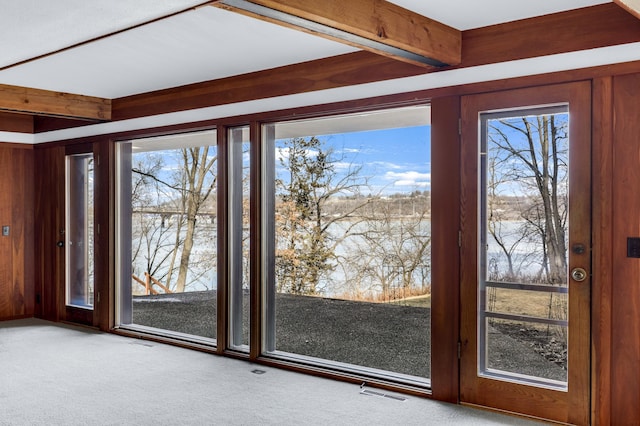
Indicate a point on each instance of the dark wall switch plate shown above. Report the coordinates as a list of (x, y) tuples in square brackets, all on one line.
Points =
[(633, 247)]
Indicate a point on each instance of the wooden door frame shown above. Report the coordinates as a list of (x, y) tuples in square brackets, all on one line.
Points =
[(529, 400), (445, 260)]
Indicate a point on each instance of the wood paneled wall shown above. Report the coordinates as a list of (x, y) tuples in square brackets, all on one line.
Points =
[(602, 195), (625, 277), (10, 122), (16, 249)]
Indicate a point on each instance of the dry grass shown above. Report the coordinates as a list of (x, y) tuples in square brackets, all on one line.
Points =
[(517, 302), (530, 303), (423, 301), (398, 296)]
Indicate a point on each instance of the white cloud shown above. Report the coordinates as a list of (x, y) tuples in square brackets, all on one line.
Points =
[(282, 153), (410, 178), (412, 183), (341, 165), (386, 165), (410, 175)]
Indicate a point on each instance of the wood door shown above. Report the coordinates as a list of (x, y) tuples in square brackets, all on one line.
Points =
[(525, 251)]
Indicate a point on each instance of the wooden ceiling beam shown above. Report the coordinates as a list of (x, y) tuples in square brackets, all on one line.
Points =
[(587, 28), (25, 100), (631, 6), (378, 26)]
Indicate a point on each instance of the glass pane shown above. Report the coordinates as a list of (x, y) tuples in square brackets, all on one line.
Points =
[(239, 174), (524, 214), (348, 279), (527, 349), (540, 304), (79, 231), (168, 233)]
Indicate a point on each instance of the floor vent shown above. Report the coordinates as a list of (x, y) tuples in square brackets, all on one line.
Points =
[(368, 392)]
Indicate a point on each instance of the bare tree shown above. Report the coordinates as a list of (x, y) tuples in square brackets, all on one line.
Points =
[(199, 180), (168, 208), (504, 210), (529, 157), (391, 252), (153, 239), (533, 152)]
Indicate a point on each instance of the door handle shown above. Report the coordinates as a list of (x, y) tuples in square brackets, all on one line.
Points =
[(578, 274)]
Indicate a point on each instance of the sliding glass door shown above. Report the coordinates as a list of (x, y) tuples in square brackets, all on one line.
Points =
[(339, 274), (167, 229), (347, 240)]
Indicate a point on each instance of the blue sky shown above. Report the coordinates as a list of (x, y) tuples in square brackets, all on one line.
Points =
[(394, 160)]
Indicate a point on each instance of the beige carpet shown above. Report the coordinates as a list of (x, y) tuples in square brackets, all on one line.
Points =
[(55, 374)]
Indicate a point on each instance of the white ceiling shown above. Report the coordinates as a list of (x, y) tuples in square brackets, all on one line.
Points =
[(29, 28), (469, 14), (200, 44)]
